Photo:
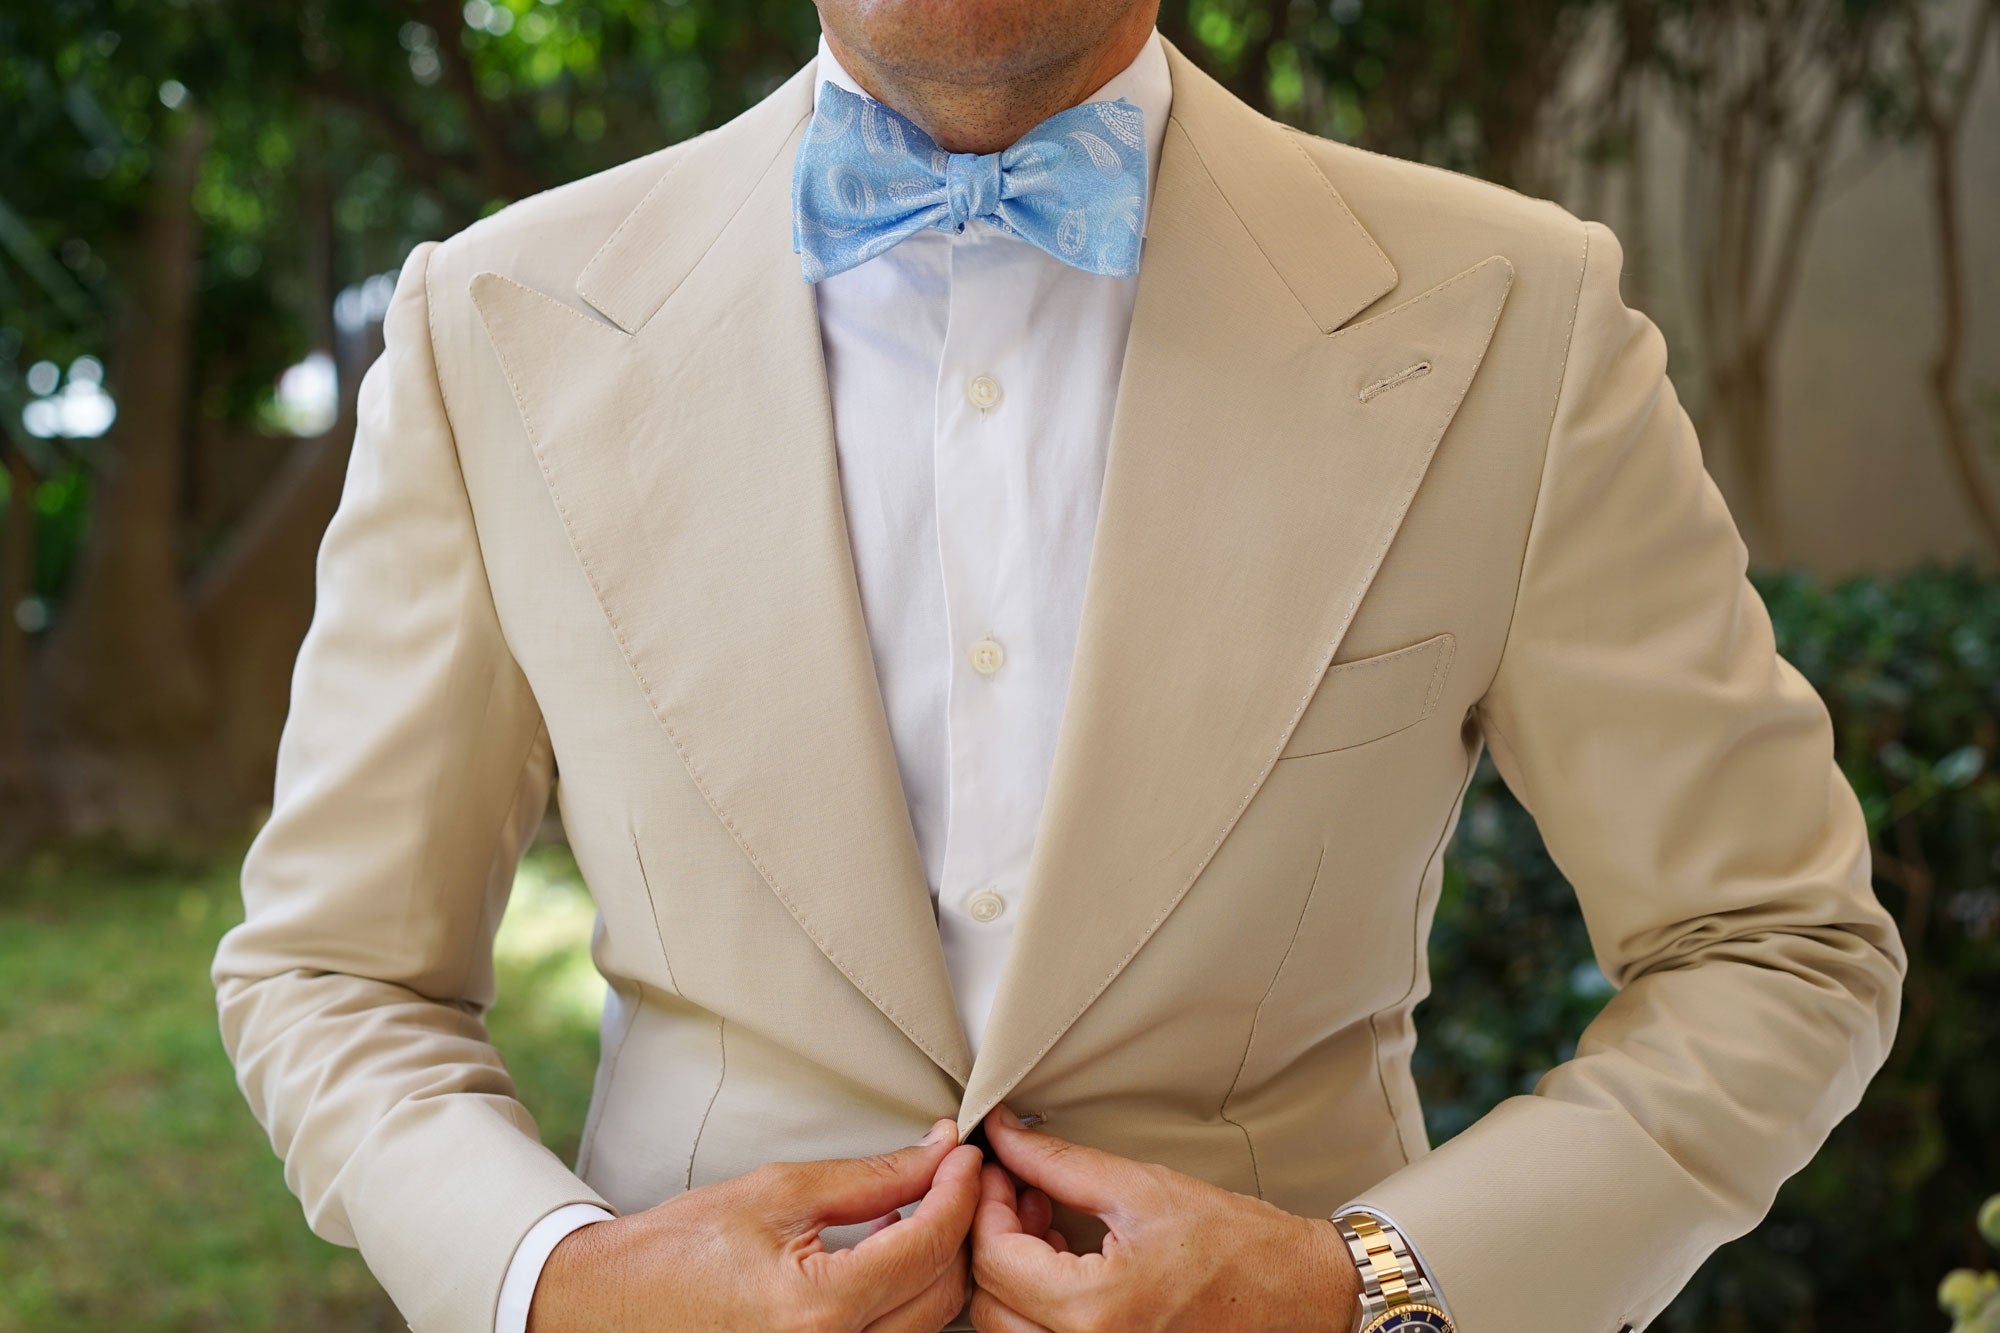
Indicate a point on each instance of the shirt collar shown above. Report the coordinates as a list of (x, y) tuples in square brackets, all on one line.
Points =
[(1146, 83)]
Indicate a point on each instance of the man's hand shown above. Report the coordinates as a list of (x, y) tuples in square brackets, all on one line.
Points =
[(746, 1253), (1180, 1253)]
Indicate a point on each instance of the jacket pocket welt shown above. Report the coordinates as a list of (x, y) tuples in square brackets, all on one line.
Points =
[(1372, 697)]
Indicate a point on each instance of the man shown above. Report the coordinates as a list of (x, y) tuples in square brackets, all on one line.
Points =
[(1015, 668)]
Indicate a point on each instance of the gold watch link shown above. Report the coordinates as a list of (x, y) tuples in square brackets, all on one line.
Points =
[(1396, 1295)]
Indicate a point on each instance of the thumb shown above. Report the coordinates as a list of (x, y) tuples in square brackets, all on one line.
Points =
[(841, 1190), (1086, 1178)]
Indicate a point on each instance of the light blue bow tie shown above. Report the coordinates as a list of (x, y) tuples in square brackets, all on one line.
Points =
[(867, 178)]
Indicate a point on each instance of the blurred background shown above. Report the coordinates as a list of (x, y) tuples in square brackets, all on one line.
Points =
[(202, 206)]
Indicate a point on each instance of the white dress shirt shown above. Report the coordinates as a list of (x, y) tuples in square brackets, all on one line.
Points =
[(972, 377)]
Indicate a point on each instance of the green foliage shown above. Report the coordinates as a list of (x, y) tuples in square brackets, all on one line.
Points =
[(336, 133), (1973, 1299), (1910, 670)]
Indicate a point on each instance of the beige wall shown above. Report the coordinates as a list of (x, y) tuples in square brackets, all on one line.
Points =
[(1861, 478)]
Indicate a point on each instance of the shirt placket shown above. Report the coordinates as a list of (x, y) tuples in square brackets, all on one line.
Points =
[(983, 415)]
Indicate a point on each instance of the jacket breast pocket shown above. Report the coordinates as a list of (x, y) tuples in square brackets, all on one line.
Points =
[(1372, 697)]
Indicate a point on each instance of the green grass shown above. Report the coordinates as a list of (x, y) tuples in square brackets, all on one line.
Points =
[(136, 1192)]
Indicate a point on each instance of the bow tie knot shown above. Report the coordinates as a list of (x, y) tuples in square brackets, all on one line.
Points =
[(972, 186), (867, 178)]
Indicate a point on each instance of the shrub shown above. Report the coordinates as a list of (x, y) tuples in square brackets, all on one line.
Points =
[(1973, 1299)]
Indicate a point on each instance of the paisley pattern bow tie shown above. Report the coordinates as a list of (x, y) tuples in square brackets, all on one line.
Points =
[(867, 178)]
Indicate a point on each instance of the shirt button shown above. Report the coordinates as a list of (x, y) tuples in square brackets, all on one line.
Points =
[(982, 391), (986, 657), (985, 905)]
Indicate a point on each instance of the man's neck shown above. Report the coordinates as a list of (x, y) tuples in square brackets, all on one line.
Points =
[(987, 117)]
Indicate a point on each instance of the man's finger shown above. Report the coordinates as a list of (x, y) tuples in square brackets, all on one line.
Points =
[(991, 1315), (844, 1190), (1085, 1178), (897, 1263), (1036, 1212), (1029, 1276), (1025, 1273), (997, 1213)]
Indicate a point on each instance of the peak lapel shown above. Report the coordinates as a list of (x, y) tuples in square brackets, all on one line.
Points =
[(1257, 473), (688, 446)]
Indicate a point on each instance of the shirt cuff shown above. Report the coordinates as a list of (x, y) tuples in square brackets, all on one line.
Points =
[(517, 1292), (1437, 1292)]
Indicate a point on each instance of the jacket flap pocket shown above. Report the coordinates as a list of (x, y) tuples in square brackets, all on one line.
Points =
[(1372, 697)]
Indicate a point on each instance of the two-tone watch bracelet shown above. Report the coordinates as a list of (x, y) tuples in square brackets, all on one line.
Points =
[(1391, 1278)]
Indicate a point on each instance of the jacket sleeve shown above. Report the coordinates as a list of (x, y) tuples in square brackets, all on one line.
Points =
[(1682, 775), (413, 769)]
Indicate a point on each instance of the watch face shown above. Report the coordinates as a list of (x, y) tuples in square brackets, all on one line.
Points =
[(1417, 1318)]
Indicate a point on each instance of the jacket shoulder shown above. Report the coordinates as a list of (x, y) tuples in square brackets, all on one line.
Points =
[(544, 240), (1434, 222)]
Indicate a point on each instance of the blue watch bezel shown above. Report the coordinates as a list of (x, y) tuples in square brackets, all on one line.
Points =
[(1413, 1318)]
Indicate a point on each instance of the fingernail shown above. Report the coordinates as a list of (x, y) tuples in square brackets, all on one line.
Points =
[(1007, 1116), (939, 1132)]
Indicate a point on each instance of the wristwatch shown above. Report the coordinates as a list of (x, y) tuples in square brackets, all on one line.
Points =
[(1396, 1295)]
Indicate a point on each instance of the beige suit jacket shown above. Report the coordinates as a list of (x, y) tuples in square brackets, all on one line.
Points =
[(1395, 476)]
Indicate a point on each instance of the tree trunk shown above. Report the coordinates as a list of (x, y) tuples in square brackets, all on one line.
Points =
[(20, 807), (121, 684), (1943, 380), (1942, 114), (1744, 411), (254, 603)]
